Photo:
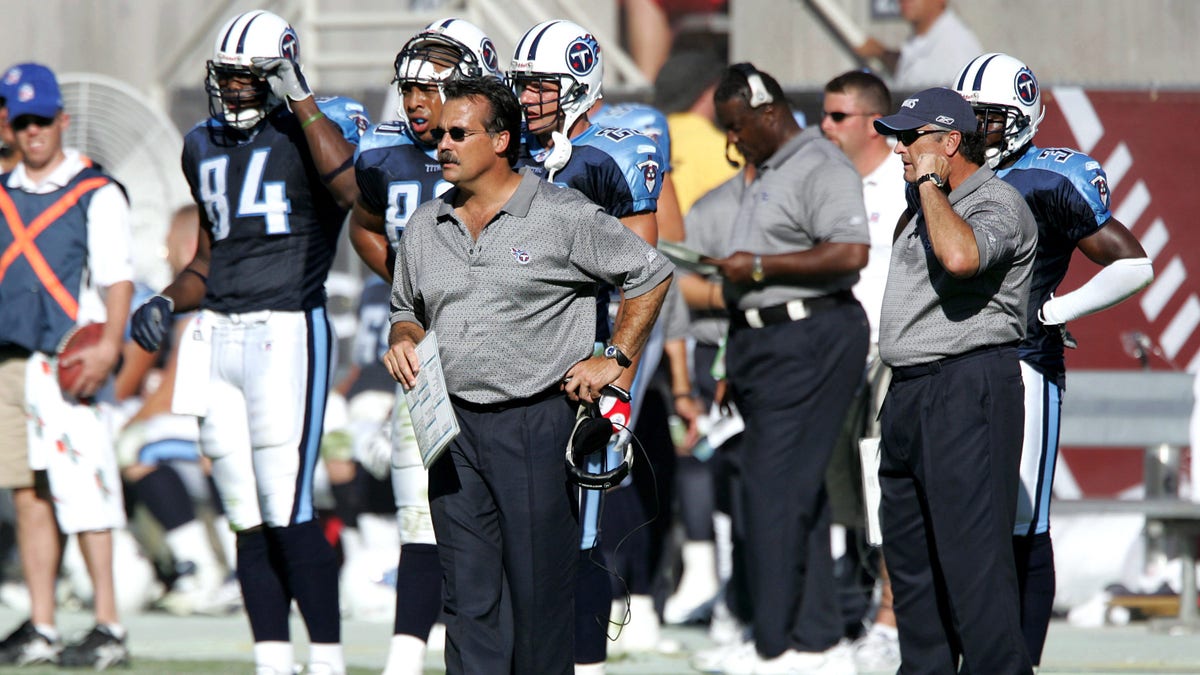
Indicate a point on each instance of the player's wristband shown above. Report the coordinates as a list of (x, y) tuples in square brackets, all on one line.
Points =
[(315, 116)]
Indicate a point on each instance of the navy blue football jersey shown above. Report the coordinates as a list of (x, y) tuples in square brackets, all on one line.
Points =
[(1068, 194), (619, 169), (274, 223), (371, 340), (396, 173)]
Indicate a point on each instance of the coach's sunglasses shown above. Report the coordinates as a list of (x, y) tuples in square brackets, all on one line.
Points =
[(910, 136), (456, 134)]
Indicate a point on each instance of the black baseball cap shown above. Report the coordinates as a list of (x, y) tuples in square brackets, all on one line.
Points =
[(943, 107)]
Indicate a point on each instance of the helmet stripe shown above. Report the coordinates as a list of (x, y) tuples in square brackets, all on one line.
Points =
[(232, 25), (533, 47), (979, 73), (446, 24), (245, 31)]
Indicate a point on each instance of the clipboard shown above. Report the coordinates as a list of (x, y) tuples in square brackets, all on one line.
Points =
[(686, 258), (433, 418)]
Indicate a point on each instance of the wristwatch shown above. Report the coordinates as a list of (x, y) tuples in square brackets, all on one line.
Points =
[(756, 273), (614, 352), (932, 178)]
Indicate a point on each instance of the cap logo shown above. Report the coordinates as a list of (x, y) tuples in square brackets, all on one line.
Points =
[(942, 119), (581, 55), (12, 77), (25, 93), (1026, 86), (910, 103)]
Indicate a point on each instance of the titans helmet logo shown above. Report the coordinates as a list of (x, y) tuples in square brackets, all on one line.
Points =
[(490, 60), (289, 44), (1026, 86), (581, 55)]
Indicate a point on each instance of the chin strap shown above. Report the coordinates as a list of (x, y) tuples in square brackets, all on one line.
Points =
[(559, 155), (1112, 284)]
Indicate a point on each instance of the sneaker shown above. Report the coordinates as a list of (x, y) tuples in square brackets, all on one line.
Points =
[(98, 649), (878, 650), (28, 646), (714, 659)]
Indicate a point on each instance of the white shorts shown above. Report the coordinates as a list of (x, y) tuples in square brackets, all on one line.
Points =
[(1039, 453), (72, 443), (264, 411)]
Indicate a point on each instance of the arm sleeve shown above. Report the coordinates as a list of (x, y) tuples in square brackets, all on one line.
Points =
[(1112, 284)]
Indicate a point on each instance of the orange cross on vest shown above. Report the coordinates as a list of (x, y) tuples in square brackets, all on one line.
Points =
[(24, 236)]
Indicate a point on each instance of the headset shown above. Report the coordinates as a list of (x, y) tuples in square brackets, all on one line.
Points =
[(591, 435), (759, 96)]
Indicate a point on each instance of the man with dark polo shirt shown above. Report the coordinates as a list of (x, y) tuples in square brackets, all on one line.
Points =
[(504, 267), (953, 313), (797, 342)]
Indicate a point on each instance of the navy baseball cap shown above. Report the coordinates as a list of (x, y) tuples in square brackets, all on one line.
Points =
[(31, 89), (943, 107)]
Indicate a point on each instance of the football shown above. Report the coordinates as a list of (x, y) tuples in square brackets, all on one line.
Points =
[(80, 337)]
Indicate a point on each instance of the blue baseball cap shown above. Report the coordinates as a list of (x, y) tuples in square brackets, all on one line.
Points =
[(943, 107), (31, 89)]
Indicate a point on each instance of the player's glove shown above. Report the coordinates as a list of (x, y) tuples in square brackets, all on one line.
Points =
[(284, 77), (614, 405), (150, 322)]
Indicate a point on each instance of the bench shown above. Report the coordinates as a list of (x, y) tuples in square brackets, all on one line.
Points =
[(1149, 409)]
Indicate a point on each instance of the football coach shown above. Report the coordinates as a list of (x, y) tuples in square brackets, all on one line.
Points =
[(504, 267)]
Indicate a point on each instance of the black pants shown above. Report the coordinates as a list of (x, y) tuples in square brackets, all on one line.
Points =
[(792, 383), (949, 473), (503, 511)]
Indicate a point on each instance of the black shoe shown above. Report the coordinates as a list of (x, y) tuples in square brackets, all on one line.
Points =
[(98, 649), (28, 646)]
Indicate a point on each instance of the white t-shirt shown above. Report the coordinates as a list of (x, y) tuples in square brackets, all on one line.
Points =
[(110, 239), (935, 58), (883, 195)]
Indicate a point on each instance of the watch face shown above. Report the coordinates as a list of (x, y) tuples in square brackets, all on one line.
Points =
[(610, 352)]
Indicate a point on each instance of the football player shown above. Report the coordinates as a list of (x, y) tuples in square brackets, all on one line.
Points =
[(556, 73), (272, 171), (1068, 194), (397, 169)]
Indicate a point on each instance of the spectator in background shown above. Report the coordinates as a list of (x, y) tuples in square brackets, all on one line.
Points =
[(76, 269), (853, 101), (683, 91), (649, 28), (931, 54), (9, 155)]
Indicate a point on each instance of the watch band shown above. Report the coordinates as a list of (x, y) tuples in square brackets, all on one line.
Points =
[(932, 178)]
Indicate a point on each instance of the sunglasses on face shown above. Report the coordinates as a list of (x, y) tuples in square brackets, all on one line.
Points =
[(839, 117), (910, 136), (24, 121), (456, 134)]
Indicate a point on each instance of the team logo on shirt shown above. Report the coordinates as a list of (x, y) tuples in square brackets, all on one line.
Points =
[(521, 255), (581, 55), (649, 174), (1101, 186), (1026, 86)]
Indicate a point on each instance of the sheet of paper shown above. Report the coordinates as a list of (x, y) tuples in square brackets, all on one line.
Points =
[(428, 401), (686, 258), (868, 449)]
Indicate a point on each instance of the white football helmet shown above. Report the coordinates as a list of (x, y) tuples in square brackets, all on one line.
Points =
[(566, 54), (243, 38), (444, 50), (1000, 84)]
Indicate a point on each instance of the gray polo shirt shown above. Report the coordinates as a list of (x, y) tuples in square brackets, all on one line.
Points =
[(707, 226), (516, 308), (806, 193), (928, 314)]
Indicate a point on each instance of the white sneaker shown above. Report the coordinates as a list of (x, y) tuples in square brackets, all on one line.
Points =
[(878, 650), (713, 659), (698, 587)]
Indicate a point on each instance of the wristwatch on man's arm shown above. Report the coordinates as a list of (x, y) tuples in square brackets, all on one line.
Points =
[(614, 352)]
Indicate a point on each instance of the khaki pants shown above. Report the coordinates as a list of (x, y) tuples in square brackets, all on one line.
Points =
[(14, 443)]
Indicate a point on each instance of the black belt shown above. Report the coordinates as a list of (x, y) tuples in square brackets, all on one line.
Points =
[(902, 373), (11, 351), (555, 390), (793, 310)]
